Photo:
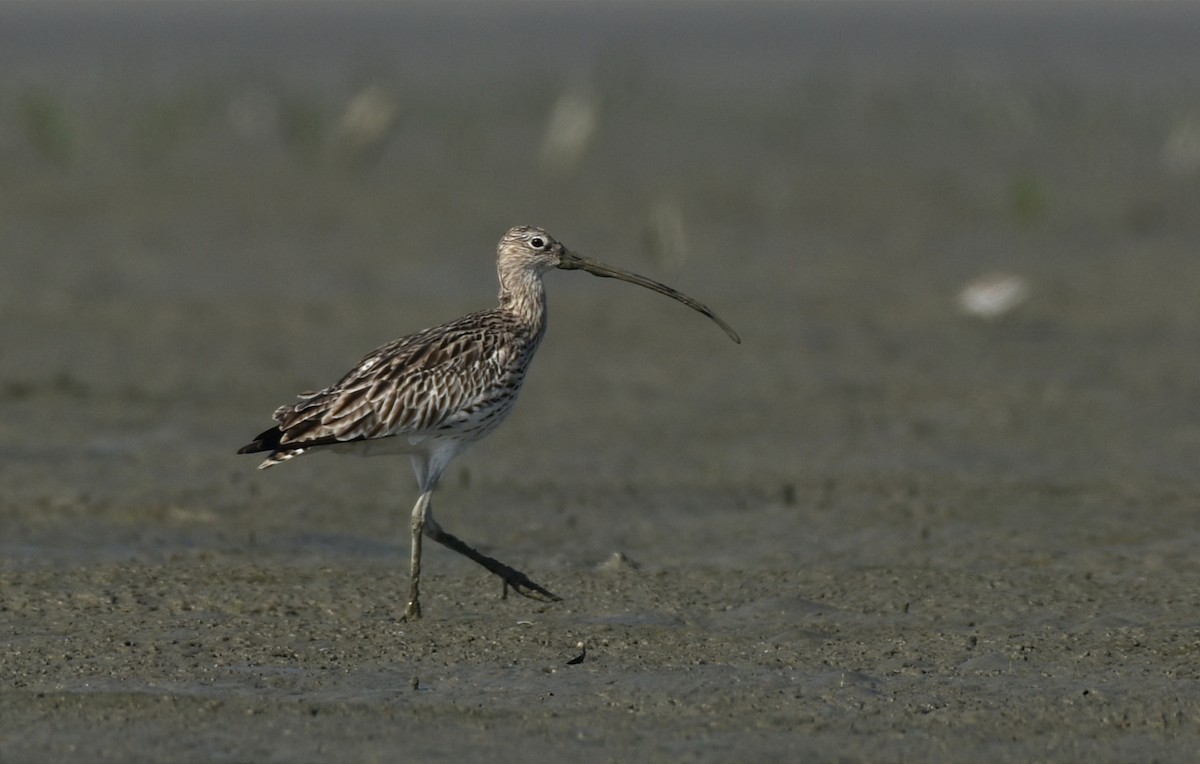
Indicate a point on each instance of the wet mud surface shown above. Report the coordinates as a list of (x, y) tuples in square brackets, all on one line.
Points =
[(878, 530)]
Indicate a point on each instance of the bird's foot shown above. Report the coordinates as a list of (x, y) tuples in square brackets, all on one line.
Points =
[(520, 583), (413, 611)]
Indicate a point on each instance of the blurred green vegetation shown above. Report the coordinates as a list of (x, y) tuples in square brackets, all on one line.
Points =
[(47, 126), (762, 141), (822, 150), (1028, 202)]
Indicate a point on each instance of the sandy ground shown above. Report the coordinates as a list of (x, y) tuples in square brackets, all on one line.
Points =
[(878, 530)]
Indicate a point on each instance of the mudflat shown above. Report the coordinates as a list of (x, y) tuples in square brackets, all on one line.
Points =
[(881, 529)]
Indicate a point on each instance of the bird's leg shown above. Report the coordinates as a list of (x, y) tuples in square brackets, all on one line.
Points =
[(519, 582), (420, 518)]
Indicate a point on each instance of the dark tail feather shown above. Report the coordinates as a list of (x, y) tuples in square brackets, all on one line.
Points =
[(267, 440)]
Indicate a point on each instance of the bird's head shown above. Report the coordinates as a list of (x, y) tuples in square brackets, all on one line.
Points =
[(526, 248)]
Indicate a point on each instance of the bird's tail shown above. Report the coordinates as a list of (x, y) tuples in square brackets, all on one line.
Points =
[(268, 440)]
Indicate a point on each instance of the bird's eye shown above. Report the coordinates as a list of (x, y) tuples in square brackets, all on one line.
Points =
[(537, 242)]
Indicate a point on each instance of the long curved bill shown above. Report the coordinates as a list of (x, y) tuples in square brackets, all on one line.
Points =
[(571, 261)]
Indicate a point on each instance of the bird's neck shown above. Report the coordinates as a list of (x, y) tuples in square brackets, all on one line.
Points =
[(523, 294)]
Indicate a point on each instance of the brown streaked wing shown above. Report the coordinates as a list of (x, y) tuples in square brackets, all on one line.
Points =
[(408, 386)]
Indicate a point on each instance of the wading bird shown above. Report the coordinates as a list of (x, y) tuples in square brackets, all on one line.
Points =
[(434, 393)]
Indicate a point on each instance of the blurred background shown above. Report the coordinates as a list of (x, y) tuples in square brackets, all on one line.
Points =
[(959, 241), (940, 504)]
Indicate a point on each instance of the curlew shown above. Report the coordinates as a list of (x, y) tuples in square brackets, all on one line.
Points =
[(434, 393)]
